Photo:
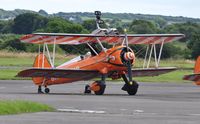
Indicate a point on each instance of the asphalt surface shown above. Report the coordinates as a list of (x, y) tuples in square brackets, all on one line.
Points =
[(155, 103)]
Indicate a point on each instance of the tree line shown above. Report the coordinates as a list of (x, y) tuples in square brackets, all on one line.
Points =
[(27, 23)]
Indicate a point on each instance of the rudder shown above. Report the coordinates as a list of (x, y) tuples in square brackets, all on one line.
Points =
[(197, 69), (41, 61), (197, 65)]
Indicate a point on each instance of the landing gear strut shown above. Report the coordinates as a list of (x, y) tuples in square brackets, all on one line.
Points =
[(46, 90), (87, 89), (130, 87), (40, 89)]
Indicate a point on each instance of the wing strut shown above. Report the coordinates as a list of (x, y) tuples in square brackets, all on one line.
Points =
[(46, 51), (43, 55), (160, 53), (150, 51), (54, 50), (92, 49), (155, 56), (150, 56), (99, 42), (38, 54)]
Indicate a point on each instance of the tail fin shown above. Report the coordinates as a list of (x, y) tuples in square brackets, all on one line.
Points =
[(41, 61), (197, 69), (197, 65)]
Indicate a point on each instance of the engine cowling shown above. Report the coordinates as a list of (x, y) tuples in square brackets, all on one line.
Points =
[(120, 56), (127, 56)]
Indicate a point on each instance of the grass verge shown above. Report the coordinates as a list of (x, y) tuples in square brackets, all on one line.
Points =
[(17, 106), (9, 74), (26, 62), (175, 76), (24, 59)]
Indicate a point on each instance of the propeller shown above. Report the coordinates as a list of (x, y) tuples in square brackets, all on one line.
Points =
[(130, 55)]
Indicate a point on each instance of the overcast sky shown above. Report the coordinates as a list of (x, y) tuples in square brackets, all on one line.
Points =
[(187, 8)]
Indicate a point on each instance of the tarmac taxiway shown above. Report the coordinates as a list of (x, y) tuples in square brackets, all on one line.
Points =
[(163, 103)]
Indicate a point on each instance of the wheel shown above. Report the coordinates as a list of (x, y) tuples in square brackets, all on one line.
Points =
[(99, 87), (131, 89), (46, 90), (87, 89)]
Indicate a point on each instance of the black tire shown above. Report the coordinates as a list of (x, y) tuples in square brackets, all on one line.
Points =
[(46, 90), (87, 89), (102, 88), (131, 89)]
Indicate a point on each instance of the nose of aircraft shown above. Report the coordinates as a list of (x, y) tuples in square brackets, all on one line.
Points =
[(129, 56)]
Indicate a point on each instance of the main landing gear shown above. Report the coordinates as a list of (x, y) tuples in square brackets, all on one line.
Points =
[(130, 87), (46, 90), (98, 87)]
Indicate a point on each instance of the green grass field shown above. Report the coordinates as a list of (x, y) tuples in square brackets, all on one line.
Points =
[(18, 106), (179, 63), (10, 74), (175, 76), (26, 60), (23, 59)]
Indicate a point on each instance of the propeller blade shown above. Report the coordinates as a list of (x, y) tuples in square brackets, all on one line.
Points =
[(129, 66), (126, 41), (129, 71)]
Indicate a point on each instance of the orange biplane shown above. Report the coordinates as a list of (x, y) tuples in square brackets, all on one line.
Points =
[(115, 62), (196, 76)]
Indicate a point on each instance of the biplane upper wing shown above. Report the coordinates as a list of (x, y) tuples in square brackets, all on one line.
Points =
[(192, 77), (59, 73), (75, 39)]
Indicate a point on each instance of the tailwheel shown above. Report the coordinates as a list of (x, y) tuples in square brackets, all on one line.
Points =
[(98, 87), (40, 89), (87, 89), (132, 88), (46, 90)]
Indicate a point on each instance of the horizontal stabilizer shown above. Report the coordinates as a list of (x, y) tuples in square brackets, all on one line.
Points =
[(152, 71)]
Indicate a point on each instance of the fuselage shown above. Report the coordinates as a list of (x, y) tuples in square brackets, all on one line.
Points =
[(104, 62)]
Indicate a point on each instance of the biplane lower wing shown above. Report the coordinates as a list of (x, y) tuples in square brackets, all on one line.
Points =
[(87, 74), (192, 77), (152, 71), (59, 73)]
